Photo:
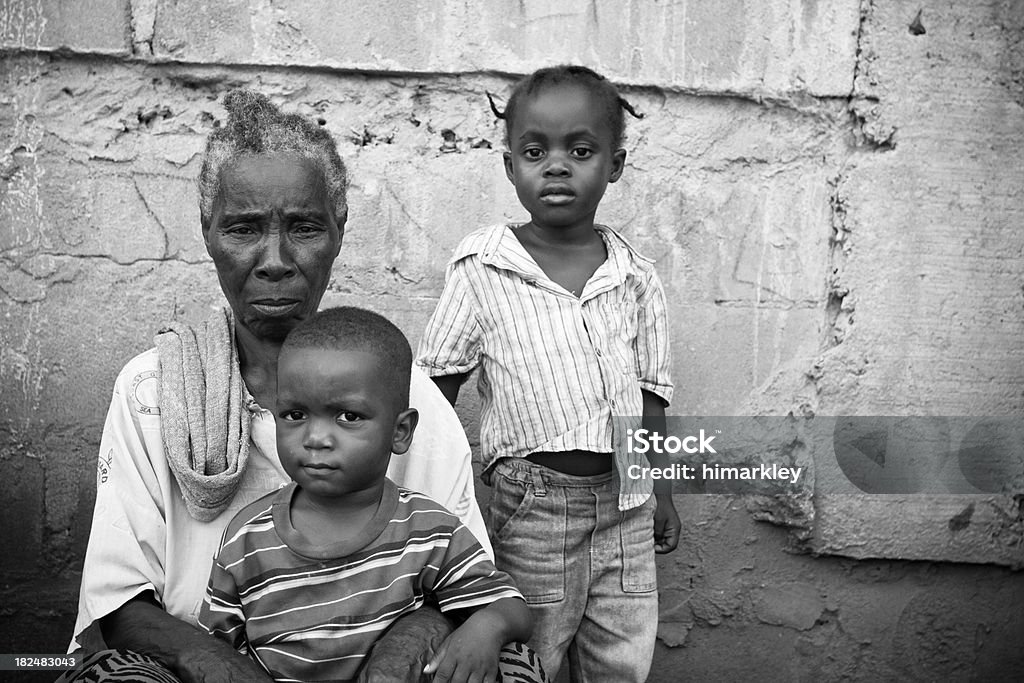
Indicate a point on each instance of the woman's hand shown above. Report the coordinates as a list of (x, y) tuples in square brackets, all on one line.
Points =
[(142, 626)]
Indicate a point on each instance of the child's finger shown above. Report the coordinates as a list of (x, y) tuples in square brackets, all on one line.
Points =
[(435, 661)]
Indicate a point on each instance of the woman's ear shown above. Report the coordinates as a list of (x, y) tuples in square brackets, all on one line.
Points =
[(405, 426)]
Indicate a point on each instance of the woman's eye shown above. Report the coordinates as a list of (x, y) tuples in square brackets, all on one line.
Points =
[(348, 417)]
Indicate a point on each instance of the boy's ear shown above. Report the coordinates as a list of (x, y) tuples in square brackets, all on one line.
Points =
[(405, 426), (618, 164), (509, 173)]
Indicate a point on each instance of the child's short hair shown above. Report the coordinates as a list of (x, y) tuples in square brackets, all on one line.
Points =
[(598, 86), (348, 328)]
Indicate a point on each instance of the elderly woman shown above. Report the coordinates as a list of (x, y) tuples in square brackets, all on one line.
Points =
[(189, 439)]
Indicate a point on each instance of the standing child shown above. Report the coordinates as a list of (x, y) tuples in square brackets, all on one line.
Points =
[(567, 323), (307, 578)]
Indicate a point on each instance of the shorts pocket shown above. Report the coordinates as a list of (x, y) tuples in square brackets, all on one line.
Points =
[(529, 539), (510, 500), (639, 574)]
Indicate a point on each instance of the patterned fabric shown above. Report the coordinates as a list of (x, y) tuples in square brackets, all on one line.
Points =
[(309, 612), (555, 368), (517, 663), (119, 665)]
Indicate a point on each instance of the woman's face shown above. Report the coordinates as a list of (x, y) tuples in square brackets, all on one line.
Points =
[(273, 237)]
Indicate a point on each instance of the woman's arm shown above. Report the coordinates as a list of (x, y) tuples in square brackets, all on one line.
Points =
[(141, 625), (405, 648)]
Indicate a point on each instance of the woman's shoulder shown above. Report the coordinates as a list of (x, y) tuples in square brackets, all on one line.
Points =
[(139, 380)]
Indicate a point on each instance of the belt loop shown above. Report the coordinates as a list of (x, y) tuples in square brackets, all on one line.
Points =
[(539, 487)]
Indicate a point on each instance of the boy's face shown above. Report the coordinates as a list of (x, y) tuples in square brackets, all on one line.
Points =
[(338, 420), (560, 156)]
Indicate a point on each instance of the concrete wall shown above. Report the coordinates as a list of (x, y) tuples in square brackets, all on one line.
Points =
[(832, 191)]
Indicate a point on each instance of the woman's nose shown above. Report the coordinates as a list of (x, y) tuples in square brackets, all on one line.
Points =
[(275, 263)]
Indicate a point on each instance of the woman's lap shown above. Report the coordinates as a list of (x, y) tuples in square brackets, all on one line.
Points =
[(517, 664)]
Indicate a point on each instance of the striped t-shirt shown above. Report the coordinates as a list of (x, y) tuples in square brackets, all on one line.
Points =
[(307, 612), (557, 372)]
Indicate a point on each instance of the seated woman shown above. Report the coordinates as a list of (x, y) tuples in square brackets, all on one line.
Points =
[(189, 438)]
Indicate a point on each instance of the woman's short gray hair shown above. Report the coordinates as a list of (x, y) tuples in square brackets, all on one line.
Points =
[(255, 127)]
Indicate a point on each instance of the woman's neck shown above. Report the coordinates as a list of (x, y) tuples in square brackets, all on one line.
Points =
[(257, 358)]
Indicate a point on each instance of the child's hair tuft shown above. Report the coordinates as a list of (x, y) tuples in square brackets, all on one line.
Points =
[(596, 84)]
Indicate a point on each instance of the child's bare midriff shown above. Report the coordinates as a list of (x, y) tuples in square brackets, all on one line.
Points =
[(576, 462)]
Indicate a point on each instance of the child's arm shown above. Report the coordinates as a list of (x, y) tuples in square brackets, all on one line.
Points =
[(470, 653), (450, 385), (450, 347), (221, 613), (666, 519)]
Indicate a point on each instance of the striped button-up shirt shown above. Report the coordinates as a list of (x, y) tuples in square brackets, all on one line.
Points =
[(555, 369)]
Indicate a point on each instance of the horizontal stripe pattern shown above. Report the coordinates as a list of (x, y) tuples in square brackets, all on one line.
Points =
[(554, 368), (308, 618)]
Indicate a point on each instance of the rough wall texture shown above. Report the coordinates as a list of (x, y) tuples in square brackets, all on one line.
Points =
[(832, 191)]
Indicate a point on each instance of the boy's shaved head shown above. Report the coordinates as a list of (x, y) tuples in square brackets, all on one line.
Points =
[(347, 328)]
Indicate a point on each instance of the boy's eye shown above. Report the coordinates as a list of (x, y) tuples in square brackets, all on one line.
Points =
[(582, 152), (292, 415), (533, 153), (349, 416)]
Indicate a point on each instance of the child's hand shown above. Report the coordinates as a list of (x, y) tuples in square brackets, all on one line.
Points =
[(468, 655), (666, 524)]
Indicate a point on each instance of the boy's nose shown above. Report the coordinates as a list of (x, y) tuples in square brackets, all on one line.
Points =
[(317, 437)]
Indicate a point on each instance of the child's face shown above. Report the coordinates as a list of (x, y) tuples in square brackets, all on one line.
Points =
[(337, 421), (560, 156)]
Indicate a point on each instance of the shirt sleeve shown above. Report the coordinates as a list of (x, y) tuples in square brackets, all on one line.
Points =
[(451, 342), (465, 578), (654, 355), (439, 462), (125, 555), (221, 614)]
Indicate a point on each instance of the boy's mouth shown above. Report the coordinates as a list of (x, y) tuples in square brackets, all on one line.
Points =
[(318, 467), (557, 195)]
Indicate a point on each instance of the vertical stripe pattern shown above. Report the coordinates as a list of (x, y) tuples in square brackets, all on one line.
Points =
[(554, 368)]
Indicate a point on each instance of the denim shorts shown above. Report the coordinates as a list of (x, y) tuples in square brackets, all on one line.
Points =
[(585, 567)]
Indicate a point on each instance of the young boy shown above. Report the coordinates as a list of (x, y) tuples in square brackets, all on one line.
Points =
[(567, 324), (307, 578)]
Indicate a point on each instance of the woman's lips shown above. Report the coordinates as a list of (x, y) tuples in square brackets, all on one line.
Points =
[(275, 307)]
